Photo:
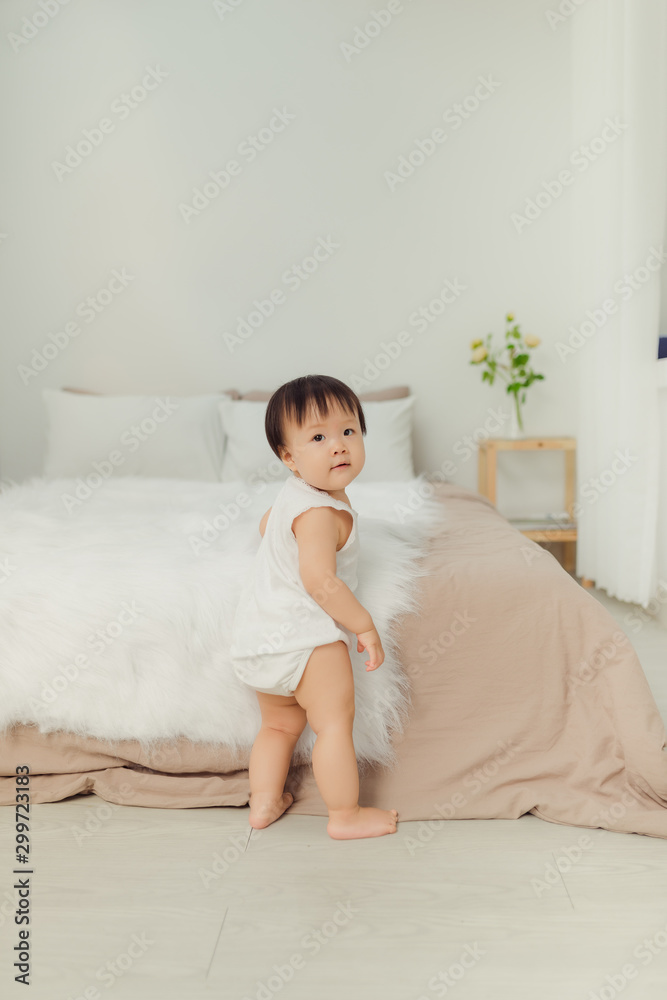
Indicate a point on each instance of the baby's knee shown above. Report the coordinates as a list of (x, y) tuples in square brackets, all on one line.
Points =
[(342, 708), (332, 714)]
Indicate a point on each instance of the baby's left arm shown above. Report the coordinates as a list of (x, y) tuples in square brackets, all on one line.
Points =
[(262, 523)]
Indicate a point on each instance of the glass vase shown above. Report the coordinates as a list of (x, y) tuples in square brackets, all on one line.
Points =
[(516, 418)]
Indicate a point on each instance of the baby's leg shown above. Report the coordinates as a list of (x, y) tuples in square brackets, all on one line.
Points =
[(283, 721), (326, 691)]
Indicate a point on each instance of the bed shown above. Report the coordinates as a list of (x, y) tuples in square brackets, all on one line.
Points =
[(508, 689)]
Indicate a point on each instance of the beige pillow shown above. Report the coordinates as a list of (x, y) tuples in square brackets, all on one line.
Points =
[(234, 393), (263, 396)]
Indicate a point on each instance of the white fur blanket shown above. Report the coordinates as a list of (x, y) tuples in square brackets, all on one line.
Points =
[(116, 610)]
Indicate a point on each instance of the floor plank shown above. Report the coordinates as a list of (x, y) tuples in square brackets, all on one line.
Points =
[(479, 908)]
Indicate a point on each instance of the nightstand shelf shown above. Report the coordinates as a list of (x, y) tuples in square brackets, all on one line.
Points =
[(543, 529)]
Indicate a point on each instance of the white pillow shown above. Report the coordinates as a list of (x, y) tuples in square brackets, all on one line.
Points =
[(388, 442), (248, 456), (164, 436)]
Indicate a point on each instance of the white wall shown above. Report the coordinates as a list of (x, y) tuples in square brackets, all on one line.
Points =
[(663, 291), (662, 502), (321, 177), (660, 599)]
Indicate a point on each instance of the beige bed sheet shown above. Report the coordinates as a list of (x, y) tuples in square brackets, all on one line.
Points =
[(527, 697)]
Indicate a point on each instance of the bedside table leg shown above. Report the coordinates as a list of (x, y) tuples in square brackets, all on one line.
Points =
[(491, 465), (481, 472), (585, 582), (569, 552), (570, 473)]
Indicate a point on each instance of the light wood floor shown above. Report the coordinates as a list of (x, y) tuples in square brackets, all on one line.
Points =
[(210, 910)]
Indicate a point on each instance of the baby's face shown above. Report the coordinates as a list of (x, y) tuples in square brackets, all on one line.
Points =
[(327, 452)]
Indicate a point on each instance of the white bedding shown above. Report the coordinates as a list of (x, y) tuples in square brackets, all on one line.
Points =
[(116, 610)]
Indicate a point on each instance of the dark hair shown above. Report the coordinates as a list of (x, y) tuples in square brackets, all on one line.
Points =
[(294, 400)]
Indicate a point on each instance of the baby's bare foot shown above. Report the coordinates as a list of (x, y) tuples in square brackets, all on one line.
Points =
[(264, 809), (361, 822)]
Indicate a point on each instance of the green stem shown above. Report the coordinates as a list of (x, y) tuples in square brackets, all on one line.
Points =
[(518, 411)]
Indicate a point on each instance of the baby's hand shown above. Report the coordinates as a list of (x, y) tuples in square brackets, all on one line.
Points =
[(371, 641)]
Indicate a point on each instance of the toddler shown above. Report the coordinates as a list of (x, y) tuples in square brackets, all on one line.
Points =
[(297, 615)]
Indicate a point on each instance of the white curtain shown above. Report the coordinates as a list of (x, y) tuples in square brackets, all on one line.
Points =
[(619, 57)]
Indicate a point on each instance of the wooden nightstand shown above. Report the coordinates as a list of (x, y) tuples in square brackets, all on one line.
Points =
[(543, 530)]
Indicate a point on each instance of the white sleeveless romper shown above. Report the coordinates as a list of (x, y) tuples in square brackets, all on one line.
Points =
[(277, 623)]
